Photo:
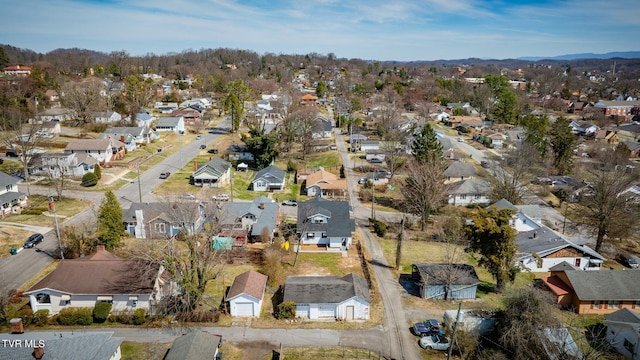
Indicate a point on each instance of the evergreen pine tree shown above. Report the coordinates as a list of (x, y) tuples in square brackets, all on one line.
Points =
[(110, 221)]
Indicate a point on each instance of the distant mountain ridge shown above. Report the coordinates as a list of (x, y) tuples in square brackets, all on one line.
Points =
[(609, 55)]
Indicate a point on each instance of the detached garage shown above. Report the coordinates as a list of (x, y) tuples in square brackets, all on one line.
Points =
[(329, 297), (246, 293)]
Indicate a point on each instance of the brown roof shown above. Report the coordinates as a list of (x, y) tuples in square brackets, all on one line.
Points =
[(251, 283), (87, 144), (309, 97), (320, 175), (100, 273)]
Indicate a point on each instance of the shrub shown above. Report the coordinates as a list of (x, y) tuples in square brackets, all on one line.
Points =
[(26, 314), (379, 227), (89, 179), (140, 316), (75, 316), (101, 312), (41, 318), (286, 310), (291, 167), (97, 171)]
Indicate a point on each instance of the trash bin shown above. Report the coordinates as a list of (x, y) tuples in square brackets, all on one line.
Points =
[(14, 251)]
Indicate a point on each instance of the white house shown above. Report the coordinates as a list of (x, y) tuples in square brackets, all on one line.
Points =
[(67, 164), (246, 294), (143, 119), (526, 217), (107, 117), (100, 277), (99, 149), (269, 179), (623, 332), (11, 200), (470, 191), (170, 123), (329, 297), (323, 222), (541, 249)]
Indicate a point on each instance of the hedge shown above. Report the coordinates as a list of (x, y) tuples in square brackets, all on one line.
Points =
[(101, 312), (75, 316)]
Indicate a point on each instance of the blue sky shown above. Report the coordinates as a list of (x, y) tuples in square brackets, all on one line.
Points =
[(367, 29)]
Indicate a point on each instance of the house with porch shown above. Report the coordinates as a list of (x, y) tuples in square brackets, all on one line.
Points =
[(258, 218), (103, 150), (323, 183), (269, 179), (329, 297), (171, 124), (163, 220), (325, 224), (101, 277), (470, 191), (215, 173), (12, 201), (541, 249)]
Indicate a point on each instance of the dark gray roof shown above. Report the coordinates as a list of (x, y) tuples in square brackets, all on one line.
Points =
[(11, 197), (460, 169), (623, 315), (272, 174), (544, 241), (196, 345), (605, 284), (132, 130), (168, 121), (470, 187), (215, 167), (437, 274), (6, 179), (563, 266), (67, 345), (170, 212), (504, 204), (265, 218), (325, 289), (339, 224)]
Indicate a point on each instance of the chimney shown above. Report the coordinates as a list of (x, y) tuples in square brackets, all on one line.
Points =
[(101, 248), (38, 352), (535, 235), (261, 206), (121, 138), (16, 326)]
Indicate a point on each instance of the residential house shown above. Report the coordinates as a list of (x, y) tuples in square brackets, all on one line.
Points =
[(623, 332), (52, 98), (376, 178), (143, 119), (616, 107), (308, 100), (54, 114), (445, 281), (357, 138), (62, 344), (459, 171), (101, 277), (107, 117), (127, 139), (100, 149), (492, 139), (215, 173), (329, 297), (163, 220), (631, 194), (51, 127), (196, 345), (166, 107), (12, 201), (257, 218), (17, 70), (369, 145), (323, 128), (377, 154), (595, 292), (57, 165), (525, 218), (191, 116), (239, 152), (607, 136), (171, 124), (577, 107), (246, 294), (541, 249), (269, 179), (141, 135), (325, 224), (470, 191), (323, 183)]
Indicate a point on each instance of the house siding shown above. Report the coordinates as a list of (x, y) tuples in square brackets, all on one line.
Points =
[(456, 292), (338, 311), (616, 336), (244, 298), (120, 302)]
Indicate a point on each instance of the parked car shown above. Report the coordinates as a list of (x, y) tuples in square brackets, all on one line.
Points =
[(11, 153), (484, 164), (221, 197), (628, 261), (332, 146), (460, 140), (203, 146), (383, 172), (165, 175), (290, 202), (362, 180), (427, 328), (212, 151), (434, 342), (376, 161), (33, 240), (198, 137)]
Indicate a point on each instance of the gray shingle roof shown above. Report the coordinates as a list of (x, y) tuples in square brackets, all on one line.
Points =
[(460, 169), (438, 274), (339, 224), (216, 167), (272, 174), (623, 315), (325, 289), (168, 121), (196, 345), (544, 241), (470, 187), (605, 284), (6, 179), (67, 345)]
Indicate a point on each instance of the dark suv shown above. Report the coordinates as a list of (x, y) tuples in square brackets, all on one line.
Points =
[(32, 241), (427, 328)]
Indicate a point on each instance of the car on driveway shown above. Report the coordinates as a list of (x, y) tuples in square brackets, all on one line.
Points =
[(434, 342), (32, 241), (628, 261), (426, 328), (290, 202), (212, 151)]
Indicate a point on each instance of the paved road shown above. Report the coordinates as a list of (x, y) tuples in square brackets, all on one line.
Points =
[(18, 269)]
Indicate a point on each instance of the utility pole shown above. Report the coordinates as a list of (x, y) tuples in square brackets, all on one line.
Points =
[(52, 207), (139, 186), (373, 199), (453, 334)]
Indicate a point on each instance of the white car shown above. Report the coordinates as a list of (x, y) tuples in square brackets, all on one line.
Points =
[(434, 342)]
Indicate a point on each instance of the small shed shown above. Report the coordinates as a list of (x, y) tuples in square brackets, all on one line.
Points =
[(246, 294)]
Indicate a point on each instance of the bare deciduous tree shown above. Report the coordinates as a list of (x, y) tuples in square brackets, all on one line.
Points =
[(424, 190), (83, 98)]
